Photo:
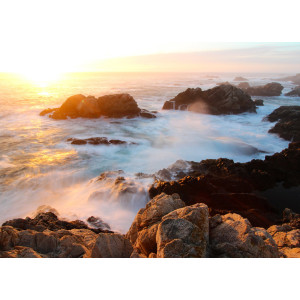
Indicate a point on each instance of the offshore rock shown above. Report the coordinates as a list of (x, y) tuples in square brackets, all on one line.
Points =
[(294, 93), (112, 106), (269, 89), (288, 122), (223, 99)]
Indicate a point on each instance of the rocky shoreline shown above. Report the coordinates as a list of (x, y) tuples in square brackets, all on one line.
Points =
[(213, 208), (165, 228)]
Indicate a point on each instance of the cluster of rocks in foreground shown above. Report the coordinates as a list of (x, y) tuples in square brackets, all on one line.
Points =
[(165, 228)]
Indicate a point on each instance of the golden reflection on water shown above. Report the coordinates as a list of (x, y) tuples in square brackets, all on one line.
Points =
[(50, 157)]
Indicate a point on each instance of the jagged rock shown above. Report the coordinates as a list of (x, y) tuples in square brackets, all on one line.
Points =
[(294, 93), (142, 233), (287, 235), (240, 78), (184, 232), (269, 89), (20, 252), (48, 220), (227, 187), (8, 237), (112, 245), (223, 99), (233, 236), (259, 102), (112, 106), (288, 122)]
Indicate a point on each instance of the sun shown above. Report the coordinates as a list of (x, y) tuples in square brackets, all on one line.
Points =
[(41, 77)]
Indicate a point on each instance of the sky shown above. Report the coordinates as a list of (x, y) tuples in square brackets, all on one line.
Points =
[(44, 37)]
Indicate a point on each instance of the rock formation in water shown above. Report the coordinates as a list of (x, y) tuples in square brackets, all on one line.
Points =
[(269, 89), (97, 141), (294, 93), (223, 99), (112, 106), (259, 102), (228, 187), (288, 122)]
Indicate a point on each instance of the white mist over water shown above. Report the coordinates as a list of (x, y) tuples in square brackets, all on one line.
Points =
[(38, 167)]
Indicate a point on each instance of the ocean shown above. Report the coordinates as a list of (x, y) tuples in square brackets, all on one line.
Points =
[(39, 169)]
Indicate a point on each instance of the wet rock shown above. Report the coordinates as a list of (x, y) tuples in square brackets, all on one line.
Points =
[(288, 122), (223, 99), (269, 89), (228, 187), (233, 236), (294, 93), (98, 223), (259, 102), (112, 245), (48, 221), (96, 141), (184, 232), (112, 106)]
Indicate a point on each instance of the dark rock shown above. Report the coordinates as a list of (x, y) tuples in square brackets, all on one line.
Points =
[(288, 122), (259, 102), (47, 111), (48, 221), (98, 223), (223, 99), (240, 78), (294, 93), (112, 106), (243, 85), (226, 186), (97, 141), (270, 89)]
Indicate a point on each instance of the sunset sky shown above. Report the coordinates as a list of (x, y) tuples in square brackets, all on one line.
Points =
[(64, 36)]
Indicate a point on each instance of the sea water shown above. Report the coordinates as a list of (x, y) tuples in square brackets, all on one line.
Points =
[(39, 167)]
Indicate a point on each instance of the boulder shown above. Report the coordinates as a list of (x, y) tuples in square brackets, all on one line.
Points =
[(112, 245), (294, 93), (288, 122), (184, 232), (223, 99), (233, 236), (259, 102), (269, 89), (112, 106), (142, 233)]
